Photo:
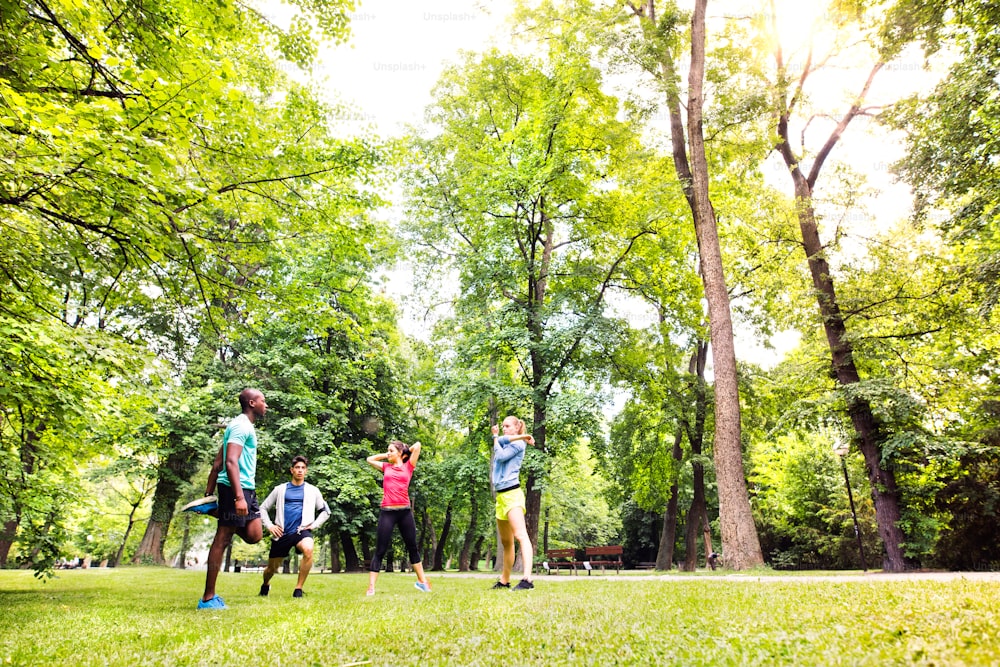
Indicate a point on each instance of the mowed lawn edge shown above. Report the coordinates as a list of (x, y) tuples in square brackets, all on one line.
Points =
[(147, 616)]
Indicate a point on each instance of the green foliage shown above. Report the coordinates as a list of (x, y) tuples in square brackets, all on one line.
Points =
[(953, 136), (160, 177), (535, 220), (575, 504), (801, 505)]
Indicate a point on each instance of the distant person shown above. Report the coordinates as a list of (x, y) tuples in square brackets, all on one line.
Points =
[(396, 466), (234, 471), (296, 505), (508, 453)]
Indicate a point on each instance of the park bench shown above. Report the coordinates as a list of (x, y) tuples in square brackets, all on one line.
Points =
[(603, 557), (556, 558)]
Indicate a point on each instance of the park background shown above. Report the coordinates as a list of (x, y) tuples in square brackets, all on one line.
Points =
[(192, 204)]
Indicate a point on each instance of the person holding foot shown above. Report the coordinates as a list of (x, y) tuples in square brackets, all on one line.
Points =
[(299, 510), (508, 453), (396, 466), (233, 472)]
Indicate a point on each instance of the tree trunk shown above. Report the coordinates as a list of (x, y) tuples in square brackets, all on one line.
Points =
[(366, 548), (537, 289), (172, 475), (695, 514), (28, 457), (706, 528), (533, 498), (151, 544), (693, 523), (335, 565), (185, 542), (668, 536), (128, 531), (696, 436), (533, 491), (477, 553), (7, 540), (470, 533), (351, 562), (545, 532), (430, 536), (882, 481), (885, 494), (389, 562), (741, 546), (442, 540)]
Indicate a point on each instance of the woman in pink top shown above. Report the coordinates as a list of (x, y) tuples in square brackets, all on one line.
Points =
[(396, 466)]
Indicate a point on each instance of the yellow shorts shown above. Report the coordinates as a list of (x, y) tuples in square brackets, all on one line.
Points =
[(508, 500)]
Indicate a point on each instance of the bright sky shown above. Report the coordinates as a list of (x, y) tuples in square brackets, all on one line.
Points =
[(398, 51)]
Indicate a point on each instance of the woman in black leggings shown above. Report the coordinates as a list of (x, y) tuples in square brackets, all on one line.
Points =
[(396, 466)]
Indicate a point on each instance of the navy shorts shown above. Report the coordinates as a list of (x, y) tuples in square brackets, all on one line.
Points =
[(227, 507), (281, 547)]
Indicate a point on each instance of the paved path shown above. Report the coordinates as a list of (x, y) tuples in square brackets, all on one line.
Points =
[(874, 577)]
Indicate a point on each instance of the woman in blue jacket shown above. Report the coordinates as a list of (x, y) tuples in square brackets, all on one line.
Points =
[(508, 453)]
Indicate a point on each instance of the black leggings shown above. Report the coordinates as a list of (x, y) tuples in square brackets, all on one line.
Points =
[(407, 528)]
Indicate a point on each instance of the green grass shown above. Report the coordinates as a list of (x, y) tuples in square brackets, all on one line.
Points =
[(147, 616)]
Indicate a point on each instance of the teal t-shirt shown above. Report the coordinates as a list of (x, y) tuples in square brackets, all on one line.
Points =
[(241, 431)]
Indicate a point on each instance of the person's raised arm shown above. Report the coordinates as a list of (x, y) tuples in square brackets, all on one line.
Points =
[(414, 453), (506, 447), (375, 460)]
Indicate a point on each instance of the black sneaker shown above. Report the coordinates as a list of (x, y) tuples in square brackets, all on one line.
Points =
[(264, 590), (500, 584), (524, 585), (297, 593)]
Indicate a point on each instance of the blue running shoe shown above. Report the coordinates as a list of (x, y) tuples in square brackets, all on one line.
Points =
[(204, 505), (426, 588), (214, 603)]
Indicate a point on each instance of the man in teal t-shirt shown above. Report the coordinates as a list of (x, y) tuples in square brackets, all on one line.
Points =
[(233, 475), (241, 431)]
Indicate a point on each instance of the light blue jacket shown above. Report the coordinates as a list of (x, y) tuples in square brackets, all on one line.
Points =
[(312, 501), (507, 457)]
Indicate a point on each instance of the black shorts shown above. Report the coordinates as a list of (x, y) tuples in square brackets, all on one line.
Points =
[(281, 547), (227, 507)]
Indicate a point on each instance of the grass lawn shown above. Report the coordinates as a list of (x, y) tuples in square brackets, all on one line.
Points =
[(147, 616)]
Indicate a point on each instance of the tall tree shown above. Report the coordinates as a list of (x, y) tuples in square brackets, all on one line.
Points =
[(661, 37), (526, 195), (159, 157), (789, 86)]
